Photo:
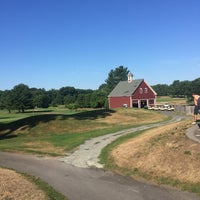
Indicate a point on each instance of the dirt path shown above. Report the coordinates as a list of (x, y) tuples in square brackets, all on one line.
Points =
[(87, 154)]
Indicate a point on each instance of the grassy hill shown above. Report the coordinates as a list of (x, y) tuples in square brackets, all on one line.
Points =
[(57, 131)]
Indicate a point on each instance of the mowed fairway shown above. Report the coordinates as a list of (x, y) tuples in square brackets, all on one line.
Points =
[(56, 132)]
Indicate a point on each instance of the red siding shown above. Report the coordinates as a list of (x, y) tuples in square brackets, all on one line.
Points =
[(117, 102), (144, 95)]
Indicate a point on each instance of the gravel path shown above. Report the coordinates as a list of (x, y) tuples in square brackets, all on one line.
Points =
[(87, 154)]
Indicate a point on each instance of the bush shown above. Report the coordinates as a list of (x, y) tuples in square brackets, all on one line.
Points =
[(72, 106)]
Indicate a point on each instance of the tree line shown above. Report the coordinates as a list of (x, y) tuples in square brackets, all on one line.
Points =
[(178, 88), (21, 97)]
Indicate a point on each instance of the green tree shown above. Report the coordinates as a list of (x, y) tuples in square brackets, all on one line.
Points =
[(98, 99), (52, 94), (88, 100), (69, 99), (40, 98), (81, 101), (161, 89), (59, 100), (195, 86), (67, 91), (181, 88), (175, 88), (115, 76), (104, 88), (64, 92), (185, 88), (6, 100), (22, 97)]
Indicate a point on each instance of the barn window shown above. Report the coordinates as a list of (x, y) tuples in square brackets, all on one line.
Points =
[(141, 90), (145, 90)]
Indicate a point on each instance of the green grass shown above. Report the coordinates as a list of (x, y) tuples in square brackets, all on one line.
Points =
[(71, 141), (51, 193), (170, 100), (105, 157), (6, 117), (67, 141), (59, 129)]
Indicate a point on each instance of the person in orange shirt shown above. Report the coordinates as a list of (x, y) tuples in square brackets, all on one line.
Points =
[(196, 106)]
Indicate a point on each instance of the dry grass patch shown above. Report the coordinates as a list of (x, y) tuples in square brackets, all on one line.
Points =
[(65, 126), (15, 186), (132, 116), (162, 152), (73, 125), (43, 147)]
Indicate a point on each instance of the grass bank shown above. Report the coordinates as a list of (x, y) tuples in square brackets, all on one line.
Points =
[(50, 192), (161, 155), (55, 132)]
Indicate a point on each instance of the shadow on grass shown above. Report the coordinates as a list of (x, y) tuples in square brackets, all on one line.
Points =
[(7, 136), (7, 129), (93, 114), (38, 111)]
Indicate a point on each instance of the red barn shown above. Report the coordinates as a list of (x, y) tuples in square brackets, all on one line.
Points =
[(132, 93)]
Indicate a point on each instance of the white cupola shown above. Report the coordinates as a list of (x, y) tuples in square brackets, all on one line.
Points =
[(130, 77)]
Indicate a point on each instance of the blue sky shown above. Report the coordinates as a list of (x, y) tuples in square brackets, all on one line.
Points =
[(57, 43)]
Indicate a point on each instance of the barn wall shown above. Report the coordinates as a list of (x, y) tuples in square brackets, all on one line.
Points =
[(143, 95), (118, 102)]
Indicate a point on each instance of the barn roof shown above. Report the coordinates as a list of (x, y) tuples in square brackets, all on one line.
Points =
[(123, 88)]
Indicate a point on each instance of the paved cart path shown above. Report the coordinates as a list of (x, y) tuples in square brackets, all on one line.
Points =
[(89, 184)]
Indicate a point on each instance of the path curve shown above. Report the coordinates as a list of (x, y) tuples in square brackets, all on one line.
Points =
[(87, 154)]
